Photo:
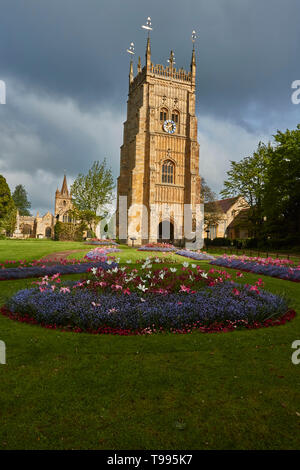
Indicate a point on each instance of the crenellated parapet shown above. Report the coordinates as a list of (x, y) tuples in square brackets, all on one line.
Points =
[(171, 72)]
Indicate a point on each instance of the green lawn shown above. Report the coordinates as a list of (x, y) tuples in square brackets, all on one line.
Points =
[(201, 391), (31, 248)]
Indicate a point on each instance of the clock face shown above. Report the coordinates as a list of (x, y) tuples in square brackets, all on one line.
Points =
[(169, 126)]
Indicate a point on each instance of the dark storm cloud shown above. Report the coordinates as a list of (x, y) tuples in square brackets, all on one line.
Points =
[(247, 50), (66, 70)]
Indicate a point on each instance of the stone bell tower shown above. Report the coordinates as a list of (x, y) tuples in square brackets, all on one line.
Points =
[(63, 203), (159, 163)]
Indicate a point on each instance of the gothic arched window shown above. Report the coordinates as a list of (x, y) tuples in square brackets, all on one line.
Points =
[(163, 114), (175, 116), (67, 217), (168, 173)]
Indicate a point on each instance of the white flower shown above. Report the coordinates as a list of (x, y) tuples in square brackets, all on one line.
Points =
[(194, 266), (115, 270), (123, 269), (157, 260), (173, 270), (88, 281), (94, 270), (128, 261), (185, 264), (118, 260), (141, 287), (162, 275), (204, 275)]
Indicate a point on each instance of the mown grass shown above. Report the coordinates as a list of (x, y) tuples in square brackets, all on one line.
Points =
[(31, 249), (201, 391)]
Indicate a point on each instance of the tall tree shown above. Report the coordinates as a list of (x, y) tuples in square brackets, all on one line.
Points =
[(92, 192), (282, 191), (7, 209), (21, 200), (247, 178), (212, 212)]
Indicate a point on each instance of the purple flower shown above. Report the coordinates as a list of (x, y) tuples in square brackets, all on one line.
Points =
[(87, 309)]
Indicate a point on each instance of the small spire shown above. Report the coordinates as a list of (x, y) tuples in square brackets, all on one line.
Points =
[(139, 67), (131, 72), (148, 54), (193, 61), (64, 188), (193, 65)]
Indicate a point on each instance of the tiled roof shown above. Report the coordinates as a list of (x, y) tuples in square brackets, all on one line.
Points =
[(223, 205), (241, 219)]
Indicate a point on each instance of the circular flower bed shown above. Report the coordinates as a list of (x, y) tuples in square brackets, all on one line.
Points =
[(199, 256), (76, 267), (128, 301), (157, 247), (100, 253), (99, 241), (282, 269)]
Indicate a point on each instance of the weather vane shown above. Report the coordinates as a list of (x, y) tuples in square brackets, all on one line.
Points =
[(130, 50), (194, 37), (148, 24), (171, 60)]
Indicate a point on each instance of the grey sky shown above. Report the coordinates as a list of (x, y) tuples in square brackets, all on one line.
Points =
[(66, 72)]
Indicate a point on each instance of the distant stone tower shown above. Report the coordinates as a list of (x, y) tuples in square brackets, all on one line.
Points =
[(63, 203), (159, 162)]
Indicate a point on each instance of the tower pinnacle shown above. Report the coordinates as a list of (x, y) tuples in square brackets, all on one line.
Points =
[(131, 72), (148, 54), (139, 67)]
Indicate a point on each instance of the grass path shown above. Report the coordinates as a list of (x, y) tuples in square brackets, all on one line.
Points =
[(235, 390)]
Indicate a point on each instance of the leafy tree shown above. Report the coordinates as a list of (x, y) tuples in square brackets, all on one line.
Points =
[(21, 201), (91, 192), (282, 190), (7, 208), (247, 178)]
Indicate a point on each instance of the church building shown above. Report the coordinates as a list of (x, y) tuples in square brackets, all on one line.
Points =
[(43, 226), (159, 182)]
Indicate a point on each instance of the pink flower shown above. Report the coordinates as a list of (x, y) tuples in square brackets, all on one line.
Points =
[(64, 290), (255, 289), (117, 287), (236, 291), (183, 288)]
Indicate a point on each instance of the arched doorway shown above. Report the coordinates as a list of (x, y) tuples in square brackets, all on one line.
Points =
[(48, 232), (166, 231)]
